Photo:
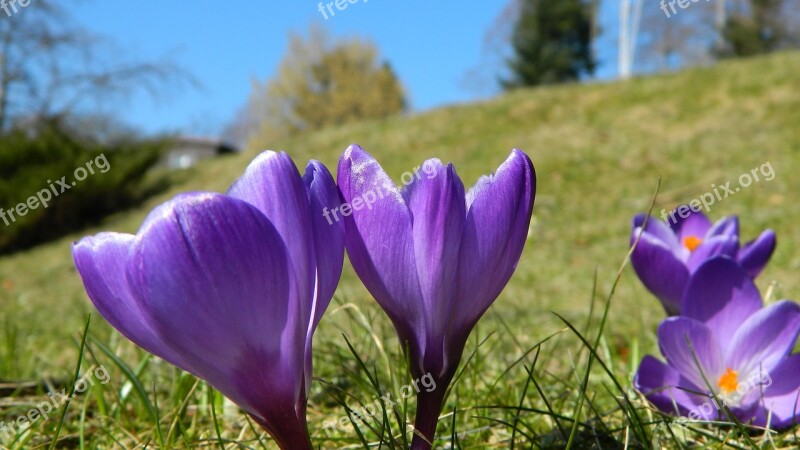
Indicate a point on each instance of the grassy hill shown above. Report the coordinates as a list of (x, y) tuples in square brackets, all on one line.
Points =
[(599, 151)]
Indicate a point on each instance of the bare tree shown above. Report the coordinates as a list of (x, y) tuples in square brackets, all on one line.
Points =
[(674, 41), (495, 51), (49, 66)]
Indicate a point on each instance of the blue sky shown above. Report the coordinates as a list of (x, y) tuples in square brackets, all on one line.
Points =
[(225, 45)]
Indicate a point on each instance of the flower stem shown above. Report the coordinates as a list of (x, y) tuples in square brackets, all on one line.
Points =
[(429, 405), (292, 435)]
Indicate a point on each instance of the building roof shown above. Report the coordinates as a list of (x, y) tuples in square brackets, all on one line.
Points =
[(219, 145)]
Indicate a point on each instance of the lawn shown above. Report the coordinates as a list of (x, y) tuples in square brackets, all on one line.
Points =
[(600, 151)]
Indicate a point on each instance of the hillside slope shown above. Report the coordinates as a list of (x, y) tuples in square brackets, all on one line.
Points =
[(599, 151)]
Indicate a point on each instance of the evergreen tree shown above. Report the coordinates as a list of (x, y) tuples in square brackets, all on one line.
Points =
[(762, 26), (552, 43)]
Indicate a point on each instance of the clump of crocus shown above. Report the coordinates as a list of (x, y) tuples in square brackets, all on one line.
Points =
[(230, 287), (726, 351), (434, 257), (669, 252)]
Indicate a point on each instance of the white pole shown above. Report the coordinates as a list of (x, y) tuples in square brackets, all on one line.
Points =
[(624, 39), (719, 22)]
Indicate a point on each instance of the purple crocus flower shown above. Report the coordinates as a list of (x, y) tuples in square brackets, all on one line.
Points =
[(230, 287), (739, 349), (669, 252), (434, 257)]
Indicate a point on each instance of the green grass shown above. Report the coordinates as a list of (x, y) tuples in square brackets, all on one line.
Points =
[(599, 152)]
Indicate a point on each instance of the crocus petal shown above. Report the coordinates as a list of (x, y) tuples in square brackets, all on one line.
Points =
[(379, 240), (662, 384), (102, 264), (686, 343), (716, 246), (406, 246), (438, 209), (694, 224), (722, 295), (212, 273), (661, 272), (656, 228), (755, 254), (765, 338), (328, 247), (272, 184), (782, 394), (230, 287), (727, 226), (328, 235), (783, 379), (500, 208)]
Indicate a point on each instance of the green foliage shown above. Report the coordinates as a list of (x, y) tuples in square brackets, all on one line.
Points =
[(552, 43), (321, 84), (347, 86), (39, 169)]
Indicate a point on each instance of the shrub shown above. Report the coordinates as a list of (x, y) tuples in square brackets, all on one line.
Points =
[(85, 181)]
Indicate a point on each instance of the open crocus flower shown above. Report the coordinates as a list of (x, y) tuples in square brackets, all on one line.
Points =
[(434, 258), (669, 252), (230, 287), (728, 345)]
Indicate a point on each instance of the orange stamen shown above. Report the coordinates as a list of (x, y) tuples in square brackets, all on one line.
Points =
[(729, 381), (692, 242)]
